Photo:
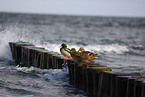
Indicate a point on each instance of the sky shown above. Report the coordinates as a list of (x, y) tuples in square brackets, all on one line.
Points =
[(128, 8)]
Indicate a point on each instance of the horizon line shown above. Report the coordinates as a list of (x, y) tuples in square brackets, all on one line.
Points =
[(65, 14)]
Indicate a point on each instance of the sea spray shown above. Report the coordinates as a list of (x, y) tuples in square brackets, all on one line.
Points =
[(14, 33), (110, 48)]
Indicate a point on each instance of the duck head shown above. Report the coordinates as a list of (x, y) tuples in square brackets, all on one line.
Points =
[(63, 45), (94, 55), (73, 50), (81, 49)]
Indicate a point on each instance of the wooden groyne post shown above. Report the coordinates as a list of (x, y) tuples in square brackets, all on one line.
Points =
[(95, 79), (27, 54)]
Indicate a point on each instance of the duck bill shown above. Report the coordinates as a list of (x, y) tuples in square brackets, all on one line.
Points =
[(60, 47)]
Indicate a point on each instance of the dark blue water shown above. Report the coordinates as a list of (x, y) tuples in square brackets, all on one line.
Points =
[(120, 43)]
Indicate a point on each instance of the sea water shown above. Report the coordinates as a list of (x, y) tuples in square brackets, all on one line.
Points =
[(119, 42)]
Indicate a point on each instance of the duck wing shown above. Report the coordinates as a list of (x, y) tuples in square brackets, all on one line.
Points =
[(76, 56), (67, 50)]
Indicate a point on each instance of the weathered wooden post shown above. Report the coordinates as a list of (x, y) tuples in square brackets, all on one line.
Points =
[(60, 61), (71, 66), (54, 61), (138, 87), (78, 73), (130, 87), (98, 89), (43, 58), (27, 55), (50, 59), (90, 73), (46, 60), (114, 76), (84, 66), (12, 49), (106, 84), (121, 86), (143, 89)]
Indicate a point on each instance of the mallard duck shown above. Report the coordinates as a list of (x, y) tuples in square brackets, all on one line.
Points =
[(65, 51), (87, 55), (75, 55)]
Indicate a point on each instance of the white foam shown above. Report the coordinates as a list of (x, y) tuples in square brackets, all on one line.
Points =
[(25, 69), (110, 48), (15, 33), (30, 69), (50, 47)]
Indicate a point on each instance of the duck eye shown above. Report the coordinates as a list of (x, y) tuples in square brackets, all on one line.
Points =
[(90, 54)]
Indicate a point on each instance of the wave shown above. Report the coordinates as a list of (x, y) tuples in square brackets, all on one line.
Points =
[(8, 36), (14, 33), (111, 48), (138, 47)]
